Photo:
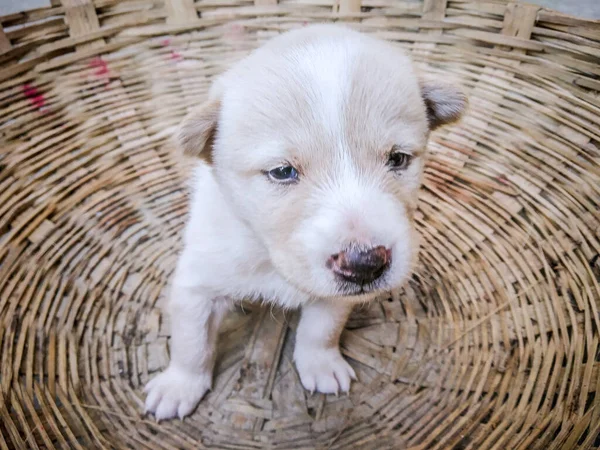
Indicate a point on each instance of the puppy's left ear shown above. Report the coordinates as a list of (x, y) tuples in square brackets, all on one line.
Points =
[(445, 102), (197, 132)]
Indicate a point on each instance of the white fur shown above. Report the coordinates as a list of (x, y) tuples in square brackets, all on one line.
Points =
[(333, 103), (317, 355)]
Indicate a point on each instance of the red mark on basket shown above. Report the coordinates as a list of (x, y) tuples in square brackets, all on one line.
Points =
[(304, 24), (502, 179), (235, 32), (176, 56), (101, 65), (35, 97)]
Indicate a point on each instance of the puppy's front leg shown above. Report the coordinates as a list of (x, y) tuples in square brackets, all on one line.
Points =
[(195, 319), (320, 364)]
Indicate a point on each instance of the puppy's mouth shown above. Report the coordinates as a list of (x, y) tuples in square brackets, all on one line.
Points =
[(355, 290)]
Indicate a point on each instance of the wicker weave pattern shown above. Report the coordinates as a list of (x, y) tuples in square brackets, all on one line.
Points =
[(493, 345)]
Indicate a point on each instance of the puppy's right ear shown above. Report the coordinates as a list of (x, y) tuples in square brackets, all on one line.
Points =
[(445, 102), (197, 132)]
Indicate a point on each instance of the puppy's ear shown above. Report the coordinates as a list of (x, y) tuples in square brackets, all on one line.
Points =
[(445, 102), (197, 132)]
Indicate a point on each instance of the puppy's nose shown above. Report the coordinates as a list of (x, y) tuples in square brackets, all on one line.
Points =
[(360, 266)]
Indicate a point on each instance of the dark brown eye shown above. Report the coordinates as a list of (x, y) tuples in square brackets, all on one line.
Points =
[(399, 160)]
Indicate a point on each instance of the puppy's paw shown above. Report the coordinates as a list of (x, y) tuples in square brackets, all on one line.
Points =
[(175, 392), (324, 370)]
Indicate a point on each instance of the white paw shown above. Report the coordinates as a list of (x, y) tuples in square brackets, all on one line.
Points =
[(175, 392), (323, 370)]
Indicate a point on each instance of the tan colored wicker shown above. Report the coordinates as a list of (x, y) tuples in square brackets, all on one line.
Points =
[(493, 345)]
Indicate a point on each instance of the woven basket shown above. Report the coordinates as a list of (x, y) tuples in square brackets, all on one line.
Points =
[(494, 344)]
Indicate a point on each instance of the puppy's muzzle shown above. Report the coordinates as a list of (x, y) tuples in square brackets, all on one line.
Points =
[(359, 265)]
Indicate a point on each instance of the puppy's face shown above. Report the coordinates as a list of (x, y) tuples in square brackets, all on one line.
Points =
[(318, 142)]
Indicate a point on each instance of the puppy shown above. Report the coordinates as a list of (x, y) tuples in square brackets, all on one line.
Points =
[(312, 153)]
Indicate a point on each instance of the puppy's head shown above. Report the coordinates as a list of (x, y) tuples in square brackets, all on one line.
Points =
[(318, 142)]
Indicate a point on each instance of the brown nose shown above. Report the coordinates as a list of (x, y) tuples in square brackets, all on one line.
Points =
[(359, 265)]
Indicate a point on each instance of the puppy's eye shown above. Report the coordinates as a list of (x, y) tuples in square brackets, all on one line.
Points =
[(399, 160), (284, 174)]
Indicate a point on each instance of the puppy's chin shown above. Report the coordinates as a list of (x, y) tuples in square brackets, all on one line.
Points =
[(370, 290), (331, 288), (359, 294), (354, 293)]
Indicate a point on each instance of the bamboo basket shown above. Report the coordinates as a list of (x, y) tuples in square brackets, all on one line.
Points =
[(494, 344)]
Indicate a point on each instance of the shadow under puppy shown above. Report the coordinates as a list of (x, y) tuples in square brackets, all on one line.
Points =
[(310, 157)]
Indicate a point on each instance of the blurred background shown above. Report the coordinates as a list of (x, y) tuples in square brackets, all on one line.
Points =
[(581, 8)]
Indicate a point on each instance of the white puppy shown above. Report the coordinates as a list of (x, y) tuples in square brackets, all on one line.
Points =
[(313, 151)]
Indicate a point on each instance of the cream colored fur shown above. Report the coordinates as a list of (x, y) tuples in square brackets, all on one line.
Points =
[(332, 103)]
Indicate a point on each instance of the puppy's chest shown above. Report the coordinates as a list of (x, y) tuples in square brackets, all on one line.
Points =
[(271, 287)]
